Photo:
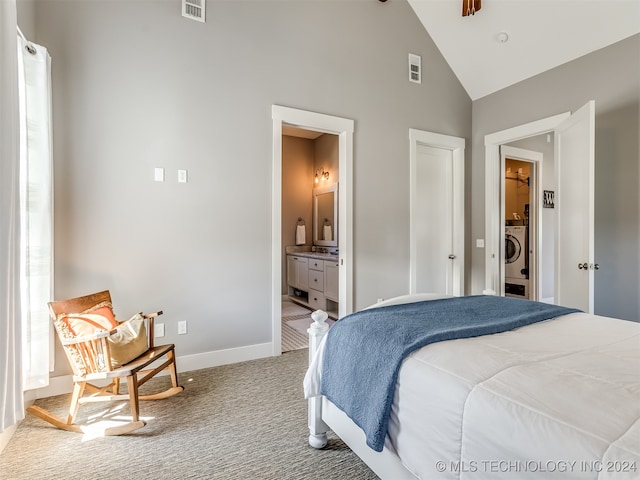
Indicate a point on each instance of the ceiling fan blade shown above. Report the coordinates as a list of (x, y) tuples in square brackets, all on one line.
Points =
[(470, 7)]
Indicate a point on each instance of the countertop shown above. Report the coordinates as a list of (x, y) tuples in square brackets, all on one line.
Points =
[(316, 255)]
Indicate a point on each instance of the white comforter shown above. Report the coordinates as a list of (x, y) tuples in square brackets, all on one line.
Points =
[(557, 399)]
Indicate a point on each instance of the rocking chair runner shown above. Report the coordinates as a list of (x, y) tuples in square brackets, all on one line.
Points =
[(91, 357)]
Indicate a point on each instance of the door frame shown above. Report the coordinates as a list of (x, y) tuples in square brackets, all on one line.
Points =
[(343, 128), (494, 234), (535, 221), (456, 146)]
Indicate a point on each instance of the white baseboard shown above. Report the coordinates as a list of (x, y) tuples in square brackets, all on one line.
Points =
[(216, 358), (57, 386), (64, 383), (5, 436)]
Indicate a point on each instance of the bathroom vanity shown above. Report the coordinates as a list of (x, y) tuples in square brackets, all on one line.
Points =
[(312, 280)]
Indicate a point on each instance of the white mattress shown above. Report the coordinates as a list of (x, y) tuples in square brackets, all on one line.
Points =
[(557, 399)]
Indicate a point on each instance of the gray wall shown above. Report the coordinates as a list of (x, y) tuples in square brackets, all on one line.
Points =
[(136, 86), (27, 18), (297, 197), (611, 77)]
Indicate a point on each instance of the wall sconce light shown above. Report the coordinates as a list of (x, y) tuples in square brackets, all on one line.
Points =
[(321, 175)]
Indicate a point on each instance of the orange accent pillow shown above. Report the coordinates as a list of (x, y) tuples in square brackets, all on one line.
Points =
[(89, 321), (128, 342)]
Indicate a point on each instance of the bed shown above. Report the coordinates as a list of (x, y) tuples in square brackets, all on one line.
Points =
[(556, 398)]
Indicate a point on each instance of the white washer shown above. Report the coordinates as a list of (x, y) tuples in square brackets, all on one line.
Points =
[(516, 275), (515, 252)]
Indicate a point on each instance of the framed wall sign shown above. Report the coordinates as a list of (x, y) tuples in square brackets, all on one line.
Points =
[(548, 199)]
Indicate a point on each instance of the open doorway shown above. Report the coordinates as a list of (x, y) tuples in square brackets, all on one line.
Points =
[(528, 166), (284, 118), (572, 195), (532, 143), (519, 240), (310, 169)]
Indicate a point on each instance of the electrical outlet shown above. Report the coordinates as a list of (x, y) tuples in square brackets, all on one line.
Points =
[(182, 327), (158, 330), (182, 176)]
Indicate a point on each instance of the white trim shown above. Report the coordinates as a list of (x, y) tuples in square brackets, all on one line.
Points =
[(535, 217), (5, 436), (276, 237), (216, 358), (60, 385), (342, 127), (492, 177), (63, 384), (456, 145)]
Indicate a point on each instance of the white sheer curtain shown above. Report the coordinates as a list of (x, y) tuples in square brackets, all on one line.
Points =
[(36, 212), (11, 397)]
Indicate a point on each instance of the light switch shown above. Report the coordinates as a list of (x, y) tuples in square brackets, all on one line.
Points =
[(182, 176), (158, 174), (158, 330), (479, 242)]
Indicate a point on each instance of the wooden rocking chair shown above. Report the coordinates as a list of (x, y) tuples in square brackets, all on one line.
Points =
[(91, 356)]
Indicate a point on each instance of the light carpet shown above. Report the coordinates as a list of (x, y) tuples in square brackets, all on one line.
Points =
[(242, 421)]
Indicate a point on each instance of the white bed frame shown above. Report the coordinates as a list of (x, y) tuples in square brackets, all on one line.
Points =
[(324, 416)]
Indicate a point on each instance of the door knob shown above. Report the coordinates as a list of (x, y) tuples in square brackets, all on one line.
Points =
[(587, 266), (452, 256)]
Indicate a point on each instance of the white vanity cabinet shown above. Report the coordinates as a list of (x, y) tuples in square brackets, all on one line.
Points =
[(331, 280), (316, 284), (298, 272), (313, 282)]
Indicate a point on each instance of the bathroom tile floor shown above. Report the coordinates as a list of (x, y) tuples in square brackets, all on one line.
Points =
[(293, 338)]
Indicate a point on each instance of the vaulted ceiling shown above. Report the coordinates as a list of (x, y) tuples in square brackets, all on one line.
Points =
[(540, 35)]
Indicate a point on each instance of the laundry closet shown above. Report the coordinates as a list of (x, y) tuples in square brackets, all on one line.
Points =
[(517, 201)]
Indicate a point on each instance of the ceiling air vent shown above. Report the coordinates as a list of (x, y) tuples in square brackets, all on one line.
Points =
[(194, 9), (415, 74)]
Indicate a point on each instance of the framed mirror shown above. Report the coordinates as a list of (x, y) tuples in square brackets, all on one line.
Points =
[(325, 216)]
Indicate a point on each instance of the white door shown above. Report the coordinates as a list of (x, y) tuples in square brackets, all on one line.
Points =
[(574, 201), (437, 219)]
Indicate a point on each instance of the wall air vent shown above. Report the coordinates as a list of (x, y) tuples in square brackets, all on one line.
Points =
[(415, 72), (194, 9)]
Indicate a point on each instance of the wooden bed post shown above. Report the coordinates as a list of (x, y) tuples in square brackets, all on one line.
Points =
[(317, 428)]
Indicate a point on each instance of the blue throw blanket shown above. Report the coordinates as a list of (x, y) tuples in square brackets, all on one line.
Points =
[(364, 350)]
